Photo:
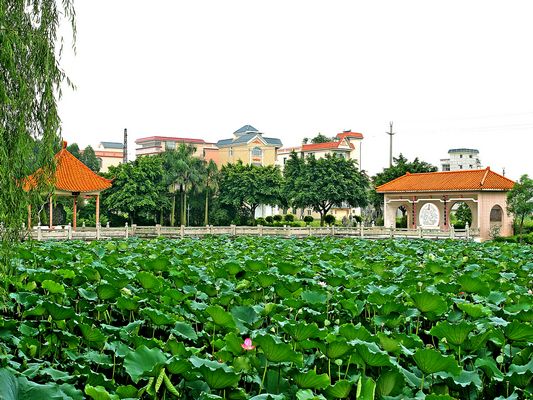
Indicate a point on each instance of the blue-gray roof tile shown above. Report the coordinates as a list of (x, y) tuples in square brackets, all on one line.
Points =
[(246, 128)]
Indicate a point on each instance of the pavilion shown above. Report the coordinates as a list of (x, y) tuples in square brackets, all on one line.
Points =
[(429, 198), (73, 179)]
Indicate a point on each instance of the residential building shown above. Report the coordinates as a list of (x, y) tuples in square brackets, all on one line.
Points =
[(461, 159), (250, 146), (156, 144), (109, 154)]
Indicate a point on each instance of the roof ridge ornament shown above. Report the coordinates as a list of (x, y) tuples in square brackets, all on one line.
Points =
[(484, 176)]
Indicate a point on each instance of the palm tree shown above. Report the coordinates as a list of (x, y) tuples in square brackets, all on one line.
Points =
[(192, 177), (175, 165)]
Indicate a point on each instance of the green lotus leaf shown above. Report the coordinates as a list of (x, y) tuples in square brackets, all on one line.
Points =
[(476, 341), (92, 335), (356, 307), (216, 375), (428, 302), (470, 284), (293, 285), (474, 310), (435, 267), (175, 365), (177, 295), (184, 330), (390, 383), (392, 307), (53, 287), (430, 361), (58, 312), (448, 288), (379, 299), (288, 269), (220, 316), (389, 344), (352, 332), (390, 321), (277, 352), (265, 280), (335, 349), (313, 297), (88, 294), (371, 354), (119, 281), (455, 334), (99, 393), (37, 310), (92, 274), (142, 360), (496, 297), (366, 389), (490, 368), (157, 317), (232, 267), (301, 394), (158, 264), (148, 280), (520, 375), (128, 304), (282, 291), (107, 292), (340, 390), (517, 331), (434, 396), (234, 344), (127, 392), (245, 314), (310, 379), (255, 265), (523, 316), (301, 330)]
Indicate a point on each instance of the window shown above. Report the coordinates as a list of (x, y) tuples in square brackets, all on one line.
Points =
[(257, 152), (284, 160), (460, 156), (230, 152), (470, 156), (471, 166), (170, 145), (445, 167), (308, 212), (460, 167), (203, 153)]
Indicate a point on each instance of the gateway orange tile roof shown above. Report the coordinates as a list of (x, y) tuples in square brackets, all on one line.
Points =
[(319, 146), (481, 179), (74, 176)]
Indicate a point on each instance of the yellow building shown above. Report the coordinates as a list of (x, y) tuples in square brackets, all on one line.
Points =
[(249, 146), (109, 153)]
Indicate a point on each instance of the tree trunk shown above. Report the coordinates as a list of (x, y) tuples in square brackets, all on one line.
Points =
[(322, 217), (173, 215), (521, 224), (184, 214), (207, 207)]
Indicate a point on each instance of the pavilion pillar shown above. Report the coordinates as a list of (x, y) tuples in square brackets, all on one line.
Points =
[(414, 212), (75, 210), (97, 209), (51, 212), (29, 216)]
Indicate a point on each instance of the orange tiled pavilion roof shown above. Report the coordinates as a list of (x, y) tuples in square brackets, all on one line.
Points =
[(73, 176), (480, 179)]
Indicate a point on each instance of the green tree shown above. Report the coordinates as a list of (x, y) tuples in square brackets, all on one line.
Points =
[(74, 149), (137, 190), (324, 183), (464, 214), (399, 168), (89, 159), (30, 83), (520, 200), (319, 139), (250, 186)]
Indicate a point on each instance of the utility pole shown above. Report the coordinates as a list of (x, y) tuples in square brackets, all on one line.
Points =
[(390, 133), (125, 153)]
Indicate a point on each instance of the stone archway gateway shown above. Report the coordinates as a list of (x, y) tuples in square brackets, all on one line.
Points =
[(73, 179), (429, 198)]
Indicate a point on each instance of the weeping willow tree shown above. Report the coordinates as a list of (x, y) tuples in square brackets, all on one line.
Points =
[(30, 86)]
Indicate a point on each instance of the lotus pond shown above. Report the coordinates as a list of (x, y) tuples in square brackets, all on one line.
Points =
[(267, 318)]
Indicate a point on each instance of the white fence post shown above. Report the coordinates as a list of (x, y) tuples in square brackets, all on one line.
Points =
[(182, 231), (127, 231), (98, 227), (69, 231), (233, 230), (309, 231), (158, 229), (467, 228), (420, 232), (39, 233)]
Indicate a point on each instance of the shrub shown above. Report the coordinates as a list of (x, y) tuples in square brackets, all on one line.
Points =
[(308, 219), (380, 222), (401, 222), (260, 221), (358, 218), (278, 218), (329, 219), (269, 219), (289, 217)]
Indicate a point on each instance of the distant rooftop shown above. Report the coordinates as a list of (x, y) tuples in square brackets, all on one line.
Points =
[(112, 145), (245, 129), (463, 151)]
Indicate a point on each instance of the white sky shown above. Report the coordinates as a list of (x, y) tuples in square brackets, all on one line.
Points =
[(449, 74)]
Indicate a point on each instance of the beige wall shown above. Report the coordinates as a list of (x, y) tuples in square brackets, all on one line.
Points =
[(243, 152)]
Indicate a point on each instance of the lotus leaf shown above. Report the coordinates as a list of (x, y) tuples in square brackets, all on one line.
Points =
[(430, 361), (335, 349), (310, 379), (142, 361), (390, 383), (221, 317), (107, 292), (277, 352), (53, 287), (471, 284), (427, 302), (302, 331), (366, 389), (454, 334), (58, 312)]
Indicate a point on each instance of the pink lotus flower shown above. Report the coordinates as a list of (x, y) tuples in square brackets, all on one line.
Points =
[(323, 284), (247, 345), (460, 293), (530, 292)]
